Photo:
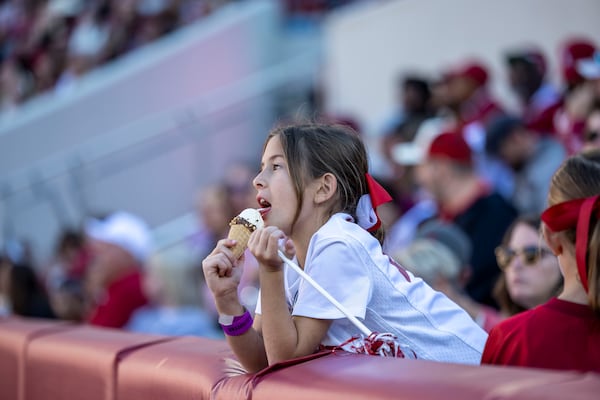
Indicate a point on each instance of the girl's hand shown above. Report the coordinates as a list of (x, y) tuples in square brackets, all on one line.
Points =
[(264, 244), (223, 272)]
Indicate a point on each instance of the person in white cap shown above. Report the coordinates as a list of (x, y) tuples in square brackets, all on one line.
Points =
[(120, 244)]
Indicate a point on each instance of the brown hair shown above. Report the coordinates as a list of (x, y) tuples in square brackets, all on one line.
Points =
[(314, 149), (507, 305), (579, 177)]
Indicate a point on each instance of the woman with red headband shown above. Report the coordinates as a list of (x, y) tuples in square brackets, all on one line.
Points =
[(563, 333), (318, 204)]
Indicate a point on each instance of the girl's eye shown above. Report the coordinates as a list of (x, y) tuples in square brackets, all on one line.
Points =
[(276, 166)]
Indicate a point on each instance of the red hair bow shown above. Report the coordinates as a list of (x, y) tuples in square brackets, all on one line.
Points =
[(378, 197), (575, 214)]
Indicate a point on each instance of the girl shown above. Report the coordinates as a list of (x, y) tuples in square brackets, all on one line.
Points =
[(530, 272), (316, 200), (563, 333)]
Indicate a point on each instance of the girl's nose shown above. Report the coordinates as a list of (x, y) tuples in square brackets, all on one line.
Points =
[(257, 182)]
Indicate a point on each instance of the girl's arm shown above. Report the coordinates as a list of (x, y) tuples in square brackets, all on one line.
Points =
[(284, 336), (222, 274), (249, 347)]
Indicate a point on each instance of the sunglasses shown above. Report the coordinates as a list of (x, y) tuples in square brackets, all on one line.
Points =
[(530, 255)]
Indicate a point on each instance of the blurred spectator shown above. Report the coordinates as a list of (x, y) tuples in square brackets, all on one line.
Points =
[(172, 285), (64, 278), (530, 272), (448, 174), (590, 70), (571, 51), (532, 158), (238, 185), (120, 245), (5, 266), (591, 135), (563, 332), (468, 90), (442, 103), (539, 99), (214, 211), (475, 108), (569, 120), (15, 84), (440, 255), (23, 293), (413, 108), (411, 155), (26, 294)]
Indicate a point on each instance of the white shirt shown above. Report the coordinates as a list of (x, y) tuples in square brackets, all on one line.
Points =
[(348, 262)]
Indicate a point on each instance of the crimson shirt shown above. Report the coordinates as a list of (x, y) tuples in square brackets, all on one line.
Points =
[(123, 297), (556, 335)]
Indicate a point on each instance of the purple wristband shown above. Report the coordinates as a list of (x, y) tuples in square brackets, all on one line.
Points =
[(240, 325)]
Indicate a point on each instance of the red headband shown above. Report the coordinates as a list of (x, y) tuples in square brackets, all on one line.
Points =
[(575, 214), (378, 197)]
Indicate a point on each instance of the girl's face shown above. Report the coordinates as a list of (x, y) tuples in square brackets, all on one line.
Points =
[(276, 195), (532, 273), (591, 136)]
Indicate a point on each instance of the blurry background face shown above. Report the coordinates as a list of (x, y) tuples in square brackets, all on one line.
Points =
[(423, 174), (172, 279), (592, 131), (214, 209), (514, 150), (240, 190), (522, 79), (413, 99), (109, 262), (530, 285), (429, 175), (460, 89), (440, 94)]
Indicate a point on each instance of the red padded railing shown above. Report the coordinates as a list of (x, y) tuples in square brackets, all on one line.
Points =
[(56, 360)]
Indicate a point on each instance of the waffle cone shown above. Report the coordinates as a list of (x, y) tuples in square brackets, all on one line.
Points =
[(241, 234)]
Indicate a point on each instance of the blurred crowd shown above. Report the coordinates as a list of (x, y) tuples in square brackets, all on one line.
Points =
[(110, 273), (481, 172), (47, 45), (469, 178)]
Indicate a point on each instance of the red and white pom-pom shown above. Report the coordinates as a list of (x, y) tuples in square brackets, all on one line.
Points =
[(378, 344)]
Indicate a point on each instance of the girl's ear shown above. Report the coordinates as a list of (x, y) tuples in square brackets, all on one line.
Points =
[(553, 241), (326, 189)]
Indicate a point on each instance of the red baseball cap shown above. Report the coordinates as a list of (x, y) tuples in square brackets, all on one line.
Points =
[(472, 70), (573, 51), (452, 146)]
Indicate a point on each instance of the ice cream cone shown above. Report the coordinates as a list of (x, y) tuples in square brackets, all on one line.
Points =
[(241, 234), (241, 227)]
